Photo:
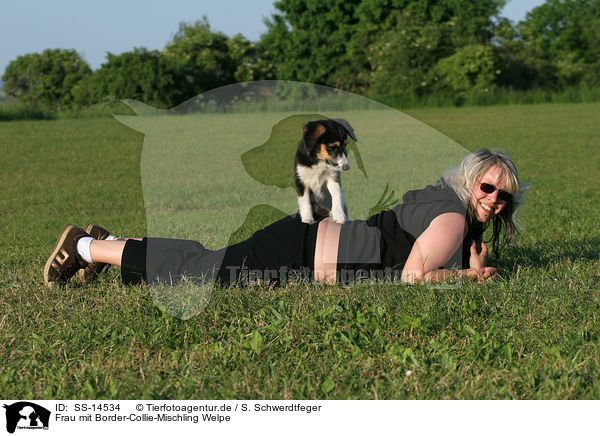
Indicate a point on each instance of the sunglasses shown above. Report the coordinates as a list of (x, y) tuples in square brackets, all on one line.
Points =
[(489, 189)]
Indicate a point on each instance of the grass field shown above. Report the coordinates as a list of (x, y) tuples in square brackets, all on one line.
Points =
[(533, 333)]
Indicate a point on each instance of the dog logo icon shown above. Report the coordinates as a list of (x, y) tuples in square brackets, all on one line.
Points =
[(26, 415)]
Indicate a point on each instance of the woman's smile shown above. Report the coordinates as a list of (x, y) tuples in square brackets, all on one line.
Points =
[(488, 205)]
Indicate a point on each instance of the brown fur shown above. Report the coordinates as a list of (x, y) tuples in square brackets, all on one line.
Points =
[(322, 154)]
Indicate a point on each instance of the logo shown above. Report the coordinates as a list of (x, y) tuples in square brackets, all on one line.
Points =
[(233, 148), (26, 415)]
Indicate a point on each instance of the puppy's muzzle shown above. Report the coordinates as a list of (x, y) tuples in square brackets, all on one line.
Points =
[(342, 163)]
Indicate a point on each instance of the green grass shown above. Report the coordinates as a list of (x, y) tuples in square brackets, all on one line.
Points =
[(533, 333)]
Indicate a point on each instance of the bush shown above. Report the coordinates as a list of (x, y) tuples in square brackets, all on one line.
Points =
[(45, 79), (468, 73), (19, 111), (142, 75), (203, 59), (403, 58)]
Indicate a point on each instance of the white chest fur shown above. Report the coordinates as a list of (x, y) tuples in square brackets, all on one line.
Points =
[(316, 176)]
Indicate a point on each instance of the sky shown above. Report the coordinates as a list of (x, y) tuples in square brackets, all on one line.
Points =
[(93, 28)]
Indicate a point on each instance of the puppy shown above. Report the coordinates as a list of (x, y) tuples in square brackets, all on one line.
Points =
[(320, 159)]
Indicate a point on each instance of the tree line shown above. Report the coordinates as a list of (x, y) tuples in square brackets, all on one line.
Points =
[(396, 51)]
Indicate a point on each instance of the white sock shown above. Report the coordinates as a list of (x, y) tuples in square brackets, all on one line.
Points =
[(83, 248), (111, 238)]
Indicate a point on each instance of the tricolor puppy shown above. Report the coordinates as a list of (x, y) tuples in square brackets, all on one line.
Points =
[(320, 159)]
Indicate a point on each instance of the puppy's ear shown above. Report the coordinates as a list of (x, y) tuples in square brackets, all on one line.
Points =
[(312, 132), (346, 125)]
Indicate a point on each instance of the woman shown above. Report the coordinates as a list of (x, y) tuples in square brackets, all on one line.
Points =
[(434, 235)]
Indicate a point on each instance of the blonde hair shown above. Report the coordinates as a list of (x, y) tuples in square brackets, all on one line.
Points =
[(464, 178)]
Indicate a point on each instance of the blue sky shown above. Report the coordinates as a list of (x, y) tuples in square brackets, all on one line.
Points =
[(96, 27)]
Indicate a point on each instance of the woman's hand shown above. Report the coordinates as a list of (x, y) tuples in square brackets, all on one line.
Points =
[(487, 273), (478, 256), (481, 274), (478, 270)]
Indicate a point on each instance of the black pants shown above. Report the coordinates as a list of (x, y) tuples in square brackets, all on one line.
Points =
[(282, 252)]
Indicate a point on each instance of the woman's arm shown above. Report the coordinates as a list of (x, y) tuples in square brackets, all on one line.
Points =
[(434, 248)]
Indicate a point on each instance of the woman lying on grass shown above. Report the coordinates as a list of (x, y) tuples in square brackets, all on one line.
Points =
[(434, 235)]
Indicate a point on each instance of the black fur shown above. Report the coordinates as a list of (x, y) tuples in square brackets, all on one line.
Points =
[(321, 156)]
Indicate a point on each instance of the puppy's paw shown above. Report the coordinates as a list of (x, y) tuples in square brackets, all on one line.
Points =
[(305, 211), (339, 216), (307, 218)]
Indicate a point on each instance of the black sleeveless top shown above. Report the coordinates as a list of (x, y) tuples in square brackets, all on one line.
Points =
[(380, 245)]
